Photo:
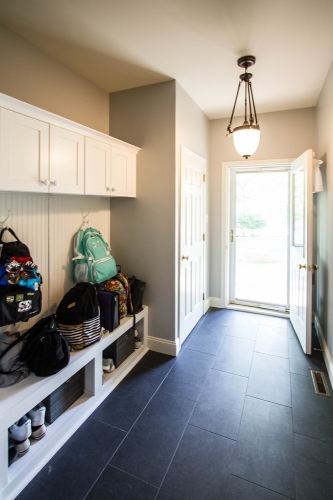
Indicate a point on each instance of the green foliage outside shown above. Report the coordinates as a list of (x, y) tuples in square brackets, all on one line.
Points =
[(250, 221)]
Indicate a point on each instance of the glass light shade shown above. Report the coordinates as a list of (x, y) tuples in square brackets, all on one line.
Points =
[(246, 139)]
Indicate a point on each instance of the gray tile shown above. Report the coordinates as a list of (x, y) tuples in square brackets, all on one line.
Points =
[(158, 361), (274, 321), (188, 375), (239, 489), (148, 449), (270, 379), (301, 363), (265, 454), (124, 405), (312, 414), (208, 340), (273, 341), (314, 481), (311, 448), (246, 331), (73, 470), (245, 319), (219, 316), (200, 469), (116, 484), (235, 356), (220, 405)]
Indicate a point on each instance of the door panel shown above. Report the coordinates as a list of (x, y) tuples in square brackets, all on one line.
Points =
[(191, 304), (301, 249)]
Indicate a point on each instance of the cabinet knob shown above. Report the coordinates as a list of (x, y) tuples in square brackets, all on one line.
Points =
[(108, 188), (55, 183), (46, 182), (113, 189)]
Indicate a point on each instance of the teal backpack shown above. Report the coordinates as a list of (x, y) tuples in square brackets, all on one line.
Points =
[(93, 261)]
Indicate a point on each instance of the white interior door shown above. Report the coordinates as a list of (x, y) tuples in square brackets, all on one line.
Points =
[(191, 306), (301, 267)]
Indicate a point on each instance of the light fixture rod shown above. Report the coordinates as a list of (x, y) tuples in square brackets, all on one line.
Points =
[(233, 110), (246, 91), (254, 106), (250, 104)]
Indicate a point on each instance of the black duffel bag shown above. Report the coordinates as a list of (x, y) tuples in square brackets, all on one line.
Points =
[(18, 303), (46, 351)]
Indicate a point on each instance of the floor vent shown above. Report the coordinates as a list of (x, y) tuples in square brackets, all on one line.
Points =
[(320, 384)]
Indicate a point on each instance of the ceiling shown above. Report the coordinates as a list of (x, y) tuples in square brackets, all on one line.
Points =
[(121, 44)]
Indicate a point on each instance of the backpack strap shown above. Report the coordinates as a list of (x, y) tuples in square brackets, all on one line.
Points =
[(22, 337), (11, 232)]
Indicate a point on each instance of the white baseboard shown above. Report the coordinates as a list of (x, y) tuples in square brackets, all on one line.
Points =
[(326, 353), (216, 302), (164, 346)]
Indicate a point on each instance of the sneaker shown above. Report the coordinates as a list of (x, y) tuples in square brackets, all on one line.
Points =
[(137, 342), (108, 365), (37, 416), (19, 434)]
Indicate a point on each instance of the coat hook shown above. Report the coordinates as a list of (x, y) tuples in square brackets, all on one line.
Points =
[(3, 222), (84, 221)]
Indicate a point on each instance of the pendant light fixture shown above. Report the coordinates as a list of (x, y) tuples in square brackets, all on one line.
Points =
[(247, 136)]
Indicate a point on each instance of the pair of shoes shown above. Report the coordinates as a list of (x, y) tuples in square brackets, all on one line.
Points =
[(31, 425), (137, 340), (108, 365), (12, 453)]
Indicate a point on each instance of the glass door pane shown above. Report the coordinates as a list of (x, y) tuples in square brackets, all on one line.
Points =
[(261, 243)]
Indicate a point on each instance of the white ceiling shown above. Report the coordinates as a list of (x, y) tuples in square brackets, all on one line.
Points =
[(120, 44)]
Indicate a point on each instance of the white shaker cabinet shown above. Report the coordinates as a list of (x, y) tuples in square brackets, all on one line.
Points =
[(98, 168), (123, 172), (66, 173), (24, 153)]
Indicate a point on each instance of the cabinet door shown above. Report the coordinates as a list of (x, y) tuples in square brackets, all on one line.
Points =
[(24, 153), (66, 161), (97, 168), (123, 173)]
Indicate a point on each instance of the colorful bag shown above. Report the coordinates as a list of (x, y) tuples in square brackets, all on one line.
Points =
[(120, 285), (18, 303), (93, 261)]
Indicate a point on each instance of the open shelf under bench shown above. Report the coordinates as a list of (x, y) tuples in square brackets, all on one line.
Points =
[(17, 400)]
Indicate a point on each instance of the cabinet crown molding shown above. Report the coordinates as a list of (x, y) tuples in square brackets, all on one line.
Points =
[(24, 108)]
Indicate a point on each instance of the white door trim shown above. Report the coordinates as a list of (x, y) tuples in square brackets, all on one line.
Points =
[(225, 208)]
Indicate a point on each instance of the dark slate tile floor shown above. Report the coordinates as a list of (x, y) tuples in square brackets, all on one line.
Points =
[(233, 417)]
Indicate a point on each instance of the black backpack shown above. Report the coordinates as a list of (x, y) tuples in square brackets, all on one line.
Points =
[(46, 352), (78, 316)]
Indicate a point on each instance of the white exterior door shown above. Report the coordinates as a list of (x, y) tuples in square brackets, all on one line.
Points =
[(191, 306), (301, 266)]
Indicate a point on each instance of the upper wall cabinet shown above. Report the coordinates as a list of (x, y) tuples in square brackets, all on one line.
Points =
[(43, 153)]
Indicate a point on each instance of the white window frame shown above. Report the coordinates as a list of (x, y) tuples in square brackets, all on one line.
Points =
[(227, 167)]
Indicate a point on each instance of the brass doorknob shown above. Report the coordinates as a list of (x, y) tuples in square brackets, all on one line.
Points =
[(302, 266), (184, 257), (315, 267)]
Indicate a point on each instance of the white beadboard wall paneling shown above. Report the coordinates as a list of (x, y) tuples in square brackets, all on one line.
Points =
[(29, 220), (65, 219)]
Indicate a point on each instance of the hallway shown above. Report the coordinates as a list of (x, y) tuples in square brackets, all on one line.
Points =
[(234, 417)]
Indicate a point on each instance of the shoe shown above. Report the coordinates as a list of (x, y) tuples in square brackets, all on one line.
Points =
[(37, 416), (12, 453), (19, 434), (108, 365), (137, 342)]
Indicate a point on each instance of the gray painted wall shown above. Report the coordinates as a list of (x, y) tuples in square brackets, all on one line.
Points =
[(143, 228), (324, 211), (285, 134)]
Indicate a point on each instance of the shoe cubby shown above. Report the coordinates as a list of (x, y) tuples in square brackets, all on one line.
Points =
[(17, 400)]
